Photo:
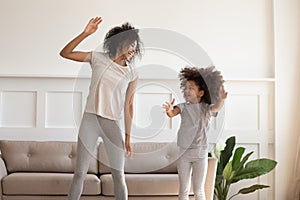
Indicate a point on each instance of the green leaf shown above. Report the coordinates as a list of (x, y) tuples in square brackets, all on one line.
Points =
[(246, 173), (254, 169), (264, 163), (219, 179), (252, 188), (246, 157), (228, 173), (237, 157), (244, 160), (226, 154), (240, 168)]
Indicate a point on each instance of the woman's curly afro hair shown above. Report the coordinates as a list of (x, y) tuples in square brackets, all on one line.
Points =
[(120, 35), (208, 79)]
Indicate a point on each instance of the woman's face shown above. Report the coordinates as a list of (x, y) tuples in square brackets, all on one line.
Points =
[(127, 51), (192, 93)]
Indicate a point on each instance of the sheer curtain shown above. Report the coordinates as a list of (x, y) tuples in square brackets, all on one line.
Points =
[(295, 184)]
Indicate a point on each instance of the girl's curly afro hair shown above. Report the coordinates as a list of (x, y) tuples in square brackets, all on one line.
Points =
[(208, 79)]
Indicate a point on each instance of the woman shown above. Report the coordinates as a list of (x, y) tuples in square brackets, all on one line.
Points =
[(111, 91)]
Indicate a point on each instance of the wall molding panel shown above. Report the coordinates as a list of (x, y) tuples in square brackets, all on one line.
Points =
[(18, 109), (41, 108)]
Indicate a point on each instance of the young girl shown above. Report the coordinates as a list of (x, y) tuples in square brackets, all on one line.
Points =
[(204, 94), (111, 91)]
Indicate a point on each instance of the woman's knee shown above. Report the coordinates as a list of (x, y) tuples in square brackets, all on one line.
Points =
[(119, 174), (79, 175)]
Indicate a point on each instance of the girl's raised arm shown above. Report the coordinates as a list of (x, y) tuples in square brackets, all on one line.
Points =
[(222, 96)]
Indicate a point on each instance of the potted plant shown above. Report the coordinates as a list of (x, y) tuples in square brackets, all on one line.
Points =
[(233, 167)]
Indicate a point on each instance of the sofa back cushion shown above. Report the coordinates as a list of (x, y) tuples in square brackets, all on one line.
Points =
[(33, 156), (148, 157)]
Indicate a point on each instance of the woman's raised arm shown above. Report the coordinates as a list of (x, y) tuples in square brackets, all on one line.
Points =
[(68, 51)]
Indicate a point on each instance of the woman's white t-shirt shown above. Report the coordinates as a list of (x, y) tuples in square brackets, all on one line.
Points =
[(109, 83)]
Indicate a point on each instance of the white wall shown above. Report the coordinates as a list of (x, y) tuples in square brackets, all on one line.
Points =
[(237, 40), (250, 40)]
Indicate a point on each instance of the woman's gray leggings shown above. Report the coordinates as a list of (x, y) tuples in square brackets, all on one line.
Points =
[(91, 128)]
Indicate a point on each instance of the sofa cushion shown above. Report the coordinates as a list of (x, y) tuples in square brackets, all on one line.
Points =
[(62, 197), (46, 183), (148, 157), (32, 156), (87, 198), (143, 184)]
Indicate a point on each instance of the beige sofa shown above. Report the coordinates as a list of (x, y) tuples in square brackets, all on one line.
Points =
[(32, 170)]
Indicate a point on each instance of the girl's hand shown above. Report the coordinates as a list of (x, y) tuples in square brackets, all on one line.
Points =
[(222, 93), (169, 106), (92, 26), (170, 110)]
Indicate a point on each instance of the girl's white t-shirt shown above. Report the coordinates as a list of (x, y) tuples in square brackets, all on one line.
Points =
[(109, 83), (195, 122)]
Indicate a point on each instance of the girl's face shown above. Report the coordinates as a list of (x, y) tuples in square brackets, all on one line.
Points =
[(127, 51), (192, 93)]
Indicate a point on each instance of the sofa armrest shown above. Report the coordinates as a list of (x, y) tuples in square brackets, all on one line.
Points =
[(210, 178), (3, 173)]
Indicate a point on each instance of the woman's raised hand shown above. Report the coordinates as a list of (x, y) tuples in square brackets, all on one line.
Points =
[(92, 26)]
